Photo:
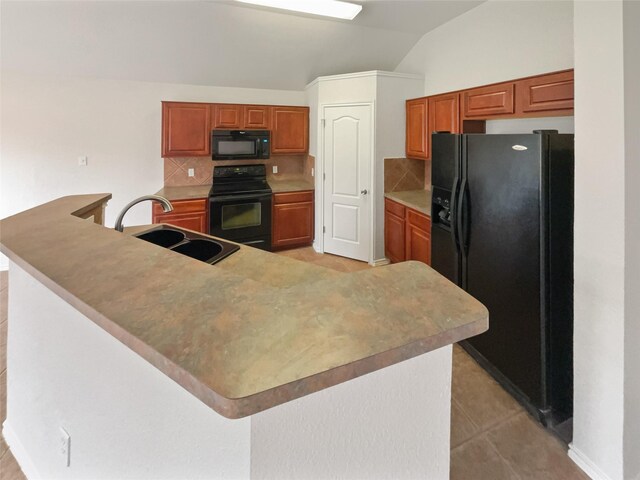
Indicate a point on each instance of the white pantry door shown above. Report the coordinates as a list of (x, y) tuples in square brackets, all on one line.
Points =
[(348, 157)]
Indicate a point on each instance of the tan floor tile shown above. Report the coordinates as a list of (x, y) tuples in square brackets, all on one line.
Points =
[(3, 345), (3, 396), (532, 451), (480, 397), (9, 468), (4, 305), (478, 460), (3, 446), (462, 428)]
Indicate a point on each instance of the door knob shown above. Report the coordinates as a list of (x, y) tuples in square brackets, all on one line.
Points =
[(364, 192)]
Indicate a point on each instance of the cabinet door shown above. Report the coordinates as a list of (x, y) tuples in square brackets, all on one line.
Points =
[(545, 93), (488, 101), (185, 129), (394, 231), (257, 117), (444, 113), (289, 130), (227, 116), (189, 214), (292, 222), (417, 138), (418, 237)]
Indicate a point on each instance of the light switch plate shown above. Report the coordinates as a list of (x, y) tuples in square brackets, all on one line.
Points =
[(191, 172), (275, 169)]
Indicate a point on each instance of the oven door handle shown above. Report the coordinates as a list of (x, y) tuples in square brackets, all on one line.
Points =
[(225, 198)]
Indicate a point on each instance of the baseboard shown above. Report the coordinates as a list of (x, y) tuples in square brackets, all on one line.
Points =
[(19, 452), (586, 465), (380, 262)]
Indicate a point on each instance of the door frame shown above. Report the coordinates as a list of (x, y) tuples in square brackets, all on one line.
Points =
[(320, 171)]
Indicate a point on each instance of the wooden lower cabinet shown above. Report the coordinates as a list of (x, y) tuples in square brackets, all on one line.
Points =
[(394, 231), (189, 214), (293, 219), (407, 234)]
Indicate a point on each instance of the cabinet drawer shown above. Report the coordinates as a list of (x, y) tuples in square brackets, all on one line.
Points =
[(293, 197), (393, 207), (182, 206), (488, 101), (419, 220)]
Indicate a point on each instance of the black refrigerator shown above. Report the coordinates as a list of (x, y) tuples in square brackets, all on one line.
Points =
[(502, 229)]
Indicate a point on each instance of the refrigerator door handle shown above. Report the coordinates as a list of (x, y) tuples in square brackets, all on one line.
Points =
[(461, 220), (454, 214)]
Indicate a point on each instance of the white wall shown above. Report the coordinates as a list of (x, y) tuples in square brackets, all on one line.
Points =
[(631, 16), (493, 42), (607, 260), (528, 125), (599, 252), (47, 122), (391, 93)]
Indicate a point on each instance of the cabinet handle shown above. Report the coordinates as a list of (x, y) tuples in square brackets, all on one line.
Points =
[(364, 192)]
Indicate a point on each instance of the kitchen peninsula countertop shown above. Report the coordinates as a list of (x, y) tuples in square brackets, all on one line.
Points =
[(187, 192), (419, 200), (252, 332)]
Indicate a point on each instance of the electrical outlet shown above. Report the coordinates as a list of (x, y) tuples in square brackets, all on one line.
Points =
[(65, 446), (313, 173), (275, 169), (82, 161), (191, 172)]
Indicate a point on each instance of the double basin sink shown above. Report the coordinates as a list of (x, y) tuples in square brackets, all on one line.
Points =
[(188, 243)]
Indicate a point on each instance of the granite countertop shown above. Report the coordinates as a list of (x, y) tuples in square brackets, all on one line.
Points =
[(251, 332), (419, 200), (290, 184), (189, 192)]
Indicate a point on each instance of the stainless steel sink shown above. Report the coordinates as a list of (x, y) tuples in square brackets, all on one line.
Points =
[(193, 245)]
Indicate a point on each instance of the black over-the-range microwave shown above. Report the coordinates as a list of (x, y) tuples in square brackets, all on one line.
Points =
[(240, 144)]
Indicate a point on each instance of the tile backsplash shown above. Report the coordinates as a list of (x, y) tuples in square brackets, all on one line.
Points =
[(176, 170), (402, 174)]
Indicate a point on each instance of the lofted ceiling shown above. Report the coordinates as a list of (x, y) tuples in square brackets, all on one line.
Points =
[(220, 43)]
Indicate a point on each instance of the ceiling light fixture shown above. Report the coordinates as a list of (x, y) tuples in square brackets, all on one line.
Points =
[(327, 8)]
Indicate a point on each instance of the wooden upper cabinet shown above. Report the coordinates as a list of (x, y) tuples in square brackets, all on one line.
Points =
[(444, 113), (185, 129), (289, 130), (417, 136), (227, 116), (545, 93), (257, 117), (488, 101)]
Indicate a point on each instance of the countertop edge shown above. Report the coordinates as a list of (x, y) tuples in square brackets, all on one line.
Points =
[(392, 197)]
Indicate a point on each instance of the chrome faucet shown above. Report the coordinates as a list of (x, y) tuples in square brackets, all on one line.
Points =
[(166, 206)]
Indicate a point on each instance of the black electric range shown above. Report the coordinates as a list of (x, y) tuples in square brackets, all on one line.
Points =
[(240, 205)]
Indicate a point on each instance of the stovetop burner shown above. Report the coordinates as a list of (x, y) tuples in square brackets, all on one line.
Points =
[(239, 179)]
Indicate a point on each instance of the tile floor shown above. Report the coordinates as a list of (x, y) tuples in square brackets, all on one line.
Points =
[(492, 437)]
